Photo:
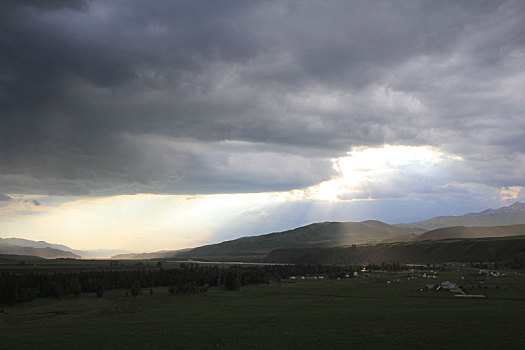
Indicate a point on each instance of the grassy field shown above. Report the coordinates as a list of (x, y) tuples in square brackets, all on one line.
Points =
[(357, 313), (507, 250)]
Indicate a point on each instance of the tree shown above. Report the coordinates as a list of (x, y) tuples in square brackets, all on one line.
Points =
[(232, 281), (100, 288), (135, 289), (74, 286)]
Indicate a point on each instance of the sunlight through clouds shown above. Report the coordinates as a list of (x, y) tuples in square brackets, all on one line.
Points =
[(365, 167), (148, 222), (135, 222)]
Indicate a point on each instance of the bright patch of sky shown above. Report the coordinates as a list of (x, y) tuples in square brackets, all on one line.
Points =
[(365, 168)]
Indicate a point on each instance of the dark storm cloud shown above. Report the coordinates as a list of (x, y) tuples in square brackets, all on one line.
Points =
[(133, 96)]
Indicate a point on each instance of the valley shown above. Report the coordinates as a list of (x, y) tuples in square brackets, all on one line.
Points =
[(387, 310)]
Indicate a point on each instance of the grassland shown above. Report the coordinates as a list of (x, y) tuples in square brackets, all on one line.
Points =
[(65, 265), (455, 232), (356, 313)]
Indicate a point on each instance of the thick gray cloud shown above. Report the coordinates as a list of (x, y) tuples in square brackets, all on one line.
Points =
[(236, 96), (33, 201), (4, 197)]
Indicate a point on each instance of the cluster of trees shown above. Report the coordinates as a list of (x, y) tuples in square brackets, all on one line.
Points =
[(187, 278), (394, 266), (517, 262)]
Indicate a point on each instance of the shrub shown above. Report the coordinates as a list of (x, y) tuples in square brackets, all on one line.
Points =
[(136, 289)]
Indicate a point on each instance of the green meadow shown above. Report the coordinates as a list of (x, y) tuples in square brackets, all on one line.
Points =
[(350, 313)]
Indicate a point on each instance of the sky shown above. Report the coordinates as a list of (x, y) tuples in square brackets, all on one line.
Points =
[(172, 124)]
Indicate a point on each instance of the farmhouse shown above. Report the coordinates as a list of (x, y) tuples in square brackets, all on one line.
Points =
[(449, 285), (454, 288)]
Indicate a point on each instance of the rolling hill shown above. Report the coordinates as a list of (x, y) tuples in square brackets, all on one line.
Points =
[(333, 234), (512, 215), (327, 234), (422, 252)]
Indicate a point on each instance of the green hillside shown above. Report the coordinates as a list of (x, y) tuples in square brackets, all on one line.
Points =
[(473, 232), (334, 234), (429, 251), (327, 234)]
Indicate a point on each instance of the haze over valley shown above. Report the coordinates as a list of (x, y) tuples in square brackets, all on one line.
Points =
[(318, 235)]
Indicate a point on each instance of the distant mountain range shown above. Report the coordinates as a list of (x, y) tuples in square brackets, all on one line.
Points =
[(502, 222), (512, 215), (47, 253), (8, 246), (163, 254)]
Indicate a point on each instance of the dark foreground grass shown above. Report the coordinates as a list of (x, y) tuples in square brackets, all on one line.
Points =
[(363, 313)]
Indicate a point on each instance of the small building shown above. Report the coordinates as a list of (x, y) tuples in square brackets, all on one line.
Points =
[(449, 285)]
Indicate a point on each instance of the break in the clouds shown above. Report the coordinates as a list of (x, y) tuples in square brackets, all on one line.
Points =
[(221, 97)]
